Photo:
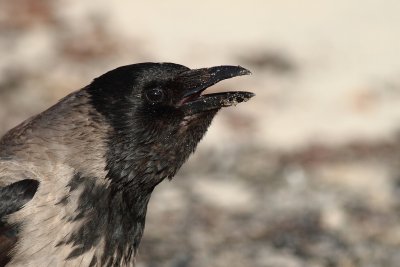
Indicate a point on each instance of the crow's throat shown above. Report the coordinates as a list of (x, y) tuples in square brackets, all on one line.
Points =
[(116, 218)]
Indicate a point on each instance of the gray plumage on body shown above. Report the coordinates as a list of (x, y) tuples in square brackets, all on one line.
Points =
[(76, 179)]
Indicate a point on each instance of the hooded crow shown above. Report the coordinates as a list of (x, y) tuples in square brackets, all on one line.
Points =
[(76, 179)]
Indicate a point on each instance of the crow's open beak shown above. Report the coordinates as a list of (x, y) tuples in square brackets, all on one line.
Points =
[(196, 81)]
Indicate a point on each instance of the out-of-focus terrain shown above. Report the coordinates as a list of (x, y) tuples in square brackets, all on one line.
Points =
[(306, 174)]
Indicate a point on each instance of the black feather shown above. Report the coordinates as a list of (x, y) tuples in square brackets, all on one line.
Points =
[(12, 198)]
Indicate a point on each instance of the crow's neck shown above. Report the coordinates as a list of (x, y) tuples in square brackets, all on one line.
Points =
[(114, 219)]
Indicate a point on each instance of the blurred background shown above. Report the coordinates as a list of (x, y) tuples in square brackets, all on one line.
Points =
[(306, 174)]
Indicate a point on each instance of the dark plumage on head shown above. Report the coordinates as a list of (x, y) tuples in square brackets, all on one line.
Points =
[(157, 116)]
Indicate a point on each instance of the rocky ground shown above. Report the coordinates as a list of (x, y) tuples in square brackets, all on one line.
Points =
[(307, 174)]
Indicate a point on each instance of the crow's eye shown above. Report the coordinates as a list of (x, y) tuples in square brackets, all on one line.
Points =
[(155, 95)]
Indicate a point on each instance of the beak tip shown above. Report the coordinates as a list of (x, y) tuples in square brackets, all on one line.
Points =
[(244, 71)]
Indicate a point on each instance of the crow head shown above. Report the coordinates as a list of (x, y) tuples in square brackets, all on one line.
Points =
[(158, 115)]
